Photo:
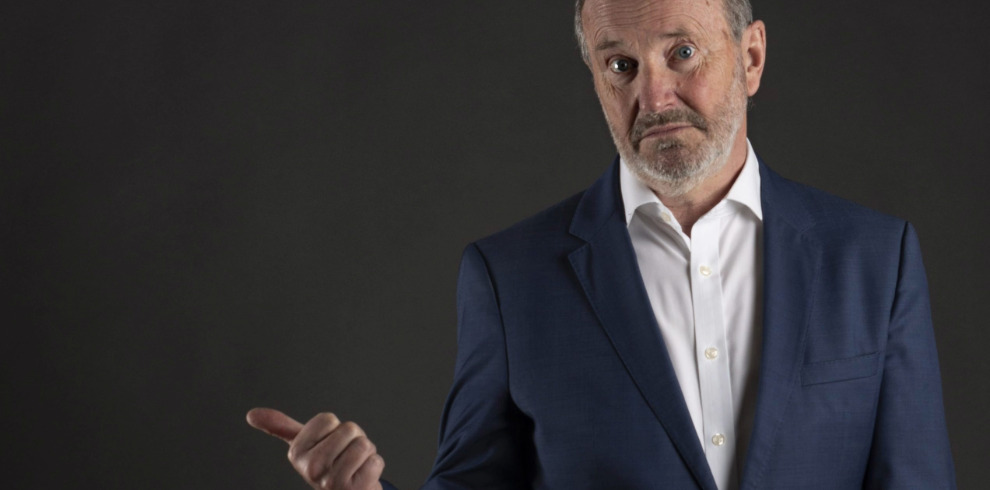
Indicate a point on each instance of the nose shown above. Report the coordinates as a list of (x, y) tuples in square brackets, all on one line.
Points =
[(657, 88)]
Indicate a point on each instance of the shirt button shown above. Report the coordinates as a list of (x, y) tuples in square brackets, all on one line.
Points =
[(705, 271), (665, 216), (711, 353), (718, 439)]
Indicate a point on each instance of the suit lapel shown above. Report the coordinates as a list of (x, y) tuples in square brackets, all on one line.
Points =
[(609, 274), (791, 265)]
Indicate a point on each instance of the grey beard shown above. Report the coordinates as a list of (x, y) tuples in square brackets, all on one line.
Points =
[(675, 170)]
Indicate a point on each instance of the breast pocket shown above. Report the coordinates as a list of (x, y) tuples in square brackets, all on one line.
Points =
[(832, 371)]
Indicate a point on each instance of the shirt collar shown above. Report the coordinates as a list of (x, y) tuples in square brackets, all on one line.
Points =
[(745, 190)]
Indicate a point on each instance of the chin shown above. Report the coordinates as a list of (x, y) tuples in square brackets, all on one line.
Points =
[(672, 171)]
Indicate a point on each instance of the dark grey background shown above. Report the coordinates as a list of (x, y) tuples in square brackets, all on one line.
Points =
[(210, 206)]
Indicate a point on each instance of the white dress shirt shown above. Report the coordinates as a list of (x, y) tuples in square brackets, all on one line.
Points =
[(706, 294)]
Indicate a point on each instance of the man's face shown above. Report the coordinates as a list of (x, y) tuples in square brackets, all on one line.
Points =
[(671, 80)]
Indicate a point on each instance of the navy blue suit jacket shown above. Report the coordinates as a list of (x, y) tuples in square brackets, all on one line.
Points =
[(563, 381)]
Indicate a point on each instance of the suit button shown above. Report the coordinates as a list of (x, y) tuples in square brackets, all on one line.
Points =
[(718, 439), (711, 353), (705, 271)]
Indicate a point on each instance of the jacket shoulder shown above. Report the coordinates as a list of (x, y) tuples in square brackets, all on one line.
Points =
[(808, 207), (545, 230)]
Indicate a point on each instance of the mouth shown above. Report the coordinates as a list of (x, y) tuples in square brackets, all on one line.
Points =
[(665, 130)]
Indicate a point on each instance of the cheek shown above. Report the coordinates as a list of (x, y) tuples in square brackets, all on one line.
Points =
[(701, 93), (615, 99), (706, 86), (607, 91), (618, 102)]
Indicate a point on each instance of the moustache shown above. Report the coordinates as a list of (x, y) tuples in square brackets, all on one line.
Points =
[(649, 121)]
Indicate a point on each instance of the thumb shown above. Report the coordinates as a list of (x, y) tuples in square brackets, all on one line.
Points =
[(275, 423)]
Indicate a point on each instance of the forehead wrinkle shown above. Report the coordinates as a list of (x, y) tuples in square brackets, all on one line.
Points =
[(686, 26), (604, 41), (665, 19), (604, 8), (607, 43)]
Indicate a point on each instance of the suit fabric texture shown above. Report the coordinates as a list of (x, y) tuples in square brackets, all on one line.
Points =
[(563, 381)]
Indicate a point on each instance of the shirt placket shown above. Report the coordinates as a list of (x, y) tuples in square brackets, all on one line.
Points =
[(711, 351)]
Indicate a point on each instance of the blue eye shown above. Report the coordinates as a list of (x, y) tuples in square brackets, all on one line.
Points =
[(685, 52), (620, 65)]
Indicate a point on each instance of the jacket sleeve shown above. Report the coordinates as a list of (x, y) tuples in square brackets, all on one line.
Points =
[(485, 441), (910, 442)]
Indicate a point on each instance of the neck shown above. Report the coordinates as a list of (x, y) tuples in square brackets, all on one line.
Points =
[(693, 204)]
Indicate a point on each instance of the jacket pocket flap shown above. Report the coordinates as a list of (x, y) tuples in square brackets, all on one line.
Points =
[(840, 369)]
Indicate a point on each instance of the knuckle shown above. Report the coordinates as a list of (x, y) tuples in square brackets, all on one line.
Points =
[(329, 418), (351, 429), (364, 445), (327, 483), (313, 472)]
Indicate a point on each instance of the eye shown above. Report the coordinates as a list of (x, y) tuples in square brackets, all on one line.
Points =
[(620, 65), (685, 52)]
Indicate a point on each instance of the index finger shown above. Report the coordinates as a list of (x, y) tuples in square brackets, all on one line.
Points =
[(275, 423)]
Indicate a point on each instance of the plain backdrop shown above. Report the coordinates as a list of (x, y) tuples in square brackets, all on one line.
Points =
[(213, 205)]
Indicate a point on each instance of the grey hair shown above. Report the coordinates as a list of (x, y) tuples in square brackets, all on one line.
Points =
[(738, 13)]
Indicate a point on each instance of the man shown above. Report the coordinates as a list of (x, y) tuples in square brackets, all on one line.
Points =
[(692, 320)]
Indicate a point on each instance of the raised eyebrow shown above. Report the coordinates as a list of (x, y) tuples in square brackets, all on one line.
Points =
[(677, 33), (606, 44)]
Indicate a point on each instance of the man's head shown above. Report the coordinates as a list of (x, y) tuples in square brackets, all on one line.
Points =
[(738, 13), (673, 78)]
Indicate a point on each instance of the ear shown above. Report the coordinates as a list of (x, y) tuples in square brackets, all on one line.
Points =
[(754, 45)]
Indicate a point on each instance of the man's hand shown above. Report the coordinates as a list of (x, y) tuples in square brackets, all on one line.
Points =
[(329, 455)]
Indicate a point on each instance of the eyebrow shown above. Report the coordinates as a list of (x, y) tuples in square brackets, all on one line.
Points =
[(611, 43)]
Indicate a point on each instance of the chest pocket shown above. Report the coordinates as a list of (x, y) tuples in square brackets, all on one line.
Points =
[(840, 369)]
